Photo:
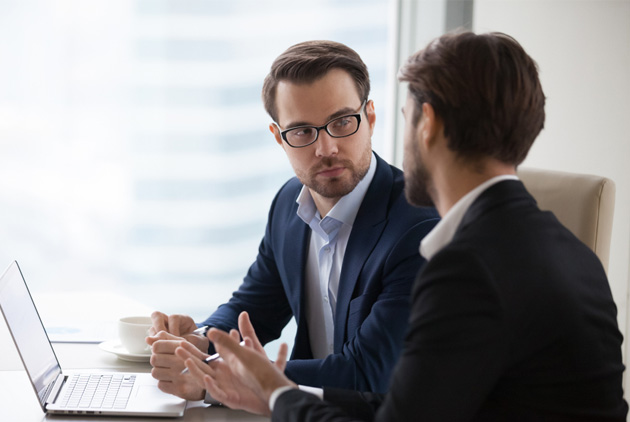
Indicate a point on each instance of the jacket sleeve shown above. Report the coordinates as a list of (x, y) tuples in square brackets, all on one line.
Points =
[(337, 406), (261, 294)]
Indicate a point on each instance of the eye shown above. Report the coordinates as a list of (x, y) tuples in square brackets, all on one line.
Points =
[(303, 132), (342, 122)]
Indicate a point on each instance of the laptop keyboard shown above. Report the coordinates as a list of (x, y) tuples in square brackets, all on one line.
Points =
[(98, 391)]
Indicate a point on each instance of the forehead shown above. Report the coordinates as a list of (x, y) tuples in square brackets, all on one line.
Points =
[(315, 102)]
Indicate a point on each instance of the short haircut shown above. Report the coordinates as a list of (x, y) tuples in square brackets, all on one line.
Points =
[(486, 91), (308, 61)]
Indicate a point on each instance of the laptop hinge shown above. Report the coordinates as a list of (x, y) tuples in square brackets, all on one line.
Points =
[(58, 383)]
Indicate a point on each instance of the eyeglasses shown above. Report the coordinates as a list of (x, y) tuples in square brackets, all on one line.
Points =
[(340, 127)]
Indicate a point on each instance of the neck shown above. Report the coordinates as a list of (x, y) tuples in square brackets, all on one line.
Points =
[(323, 204), (452, 182)]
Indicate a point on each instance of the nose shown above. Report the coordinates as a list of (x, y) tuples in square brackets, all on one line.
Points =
[(326, 145)]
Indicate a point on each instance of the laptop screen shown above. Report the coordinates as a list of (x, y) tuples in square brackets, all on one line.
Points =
[(28, 331)]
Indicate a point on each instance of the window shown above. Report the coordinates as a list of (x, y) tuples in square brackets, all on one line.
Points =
[(137, 167)]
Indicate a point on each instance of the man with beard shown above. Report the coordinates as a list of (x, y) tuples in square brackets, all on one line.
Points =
[(512, 317), (340, 249)]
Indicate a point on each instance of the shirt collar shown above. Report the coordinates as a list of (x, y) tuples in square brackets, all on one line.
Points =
[(346, 209), (444, 231)]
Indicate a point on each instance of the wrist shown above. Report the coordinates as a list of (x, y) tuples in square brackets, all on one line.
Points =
[(277, 393)]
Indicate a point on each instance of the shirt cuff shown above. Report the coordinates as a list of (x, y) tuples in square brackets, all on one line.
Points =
[(318, 392)]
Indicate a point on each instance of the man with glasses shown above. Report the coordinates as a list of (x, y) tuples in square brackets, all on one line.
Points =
[(340, 250)]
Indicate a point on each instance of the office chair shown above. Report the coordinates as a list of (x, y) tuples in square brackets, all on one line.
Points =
[(583, 203)]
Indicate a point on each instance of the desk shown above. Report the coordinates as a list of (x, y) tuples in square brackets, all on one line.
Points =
[(19, 403)]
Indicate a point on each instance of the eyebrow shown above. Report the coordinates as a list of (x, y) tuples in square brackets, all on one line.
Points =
[(342, 112)]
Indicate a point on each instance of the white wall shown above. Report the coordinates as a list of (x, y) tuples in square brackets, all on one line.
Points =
[(583, 51)]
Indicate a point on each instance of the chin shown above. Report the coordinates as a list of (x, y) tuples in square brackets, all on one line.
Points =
[(419, 197), (417, 187)]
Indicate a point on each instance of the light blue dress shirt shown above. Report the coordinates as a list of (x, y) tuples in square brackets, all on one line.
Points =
[(329, 238)]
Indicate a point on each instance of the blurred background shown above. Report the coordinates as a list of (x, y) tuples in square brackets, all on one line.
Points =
[(137, 163)]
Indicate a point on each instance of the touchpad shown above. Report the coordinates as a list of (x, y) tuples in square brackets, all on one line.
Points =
[(149, 391)]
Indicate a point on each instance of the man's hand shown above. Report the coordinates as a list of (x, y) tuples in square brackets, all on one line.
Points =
[(167, 367), (217, 379), (178, 325), (246, 378), (181, 326)]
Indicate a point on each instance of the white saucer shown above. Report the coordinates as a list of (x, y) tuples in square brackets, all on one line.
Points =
[(114, 346)]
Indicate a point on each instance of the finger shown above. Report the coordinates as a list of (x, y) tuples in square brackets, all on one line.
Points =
[(216, 392), (159, 321), (174, 322), (188, 391), (167, 361), (160, 346), (195, 372), (167, 386), (163, 335), (235, 334), (190, 351), (249, 343), (247, 330), (281, 360), (200, 342), (198, 368), (164, 374), (222, 340)]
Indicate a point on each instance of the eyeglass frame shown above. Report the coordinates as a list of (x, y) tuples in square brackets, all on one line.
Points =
[(283, 133)]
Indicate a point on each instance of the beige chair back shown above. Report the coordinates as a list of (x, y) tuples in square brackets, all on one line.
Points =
[(583, 203)]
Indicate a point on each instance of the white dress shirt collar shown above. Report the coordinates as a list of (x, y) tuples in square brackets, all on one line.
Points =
[(444, 231)]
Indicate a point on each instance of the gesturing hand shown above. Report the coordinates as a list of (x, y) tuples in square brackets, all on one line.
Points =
[(244, 378)]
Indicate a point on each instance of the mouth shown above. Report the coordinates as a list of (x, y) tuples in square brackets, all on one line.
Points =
[(331, 172)]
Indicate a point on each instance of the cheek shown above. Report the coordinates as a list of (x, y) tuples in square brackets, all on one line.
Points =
[(297, 159), (361, 143)]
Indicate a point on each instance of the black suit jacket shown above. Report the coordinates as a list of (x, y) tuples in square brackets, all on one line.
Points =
[(513, 320)]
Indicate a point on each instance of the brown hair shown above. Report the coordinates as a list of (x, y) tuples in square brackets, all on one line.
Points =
[(486, 91), (308, 61)]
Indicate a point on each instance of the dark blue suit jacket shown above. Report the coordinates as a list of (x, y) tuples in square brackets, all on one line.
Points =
[(379, 267)]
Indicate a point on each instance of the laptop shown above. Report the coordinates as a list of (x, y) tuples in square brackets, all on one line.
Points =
[(89, 393)]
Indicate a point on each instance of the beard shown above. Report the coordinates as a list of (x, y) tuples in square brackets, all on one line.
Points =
[(336, 187), (418, 185)]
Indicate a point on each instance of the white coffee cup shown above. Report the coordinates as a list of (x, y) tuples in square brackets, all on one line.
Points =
[(133, 331)]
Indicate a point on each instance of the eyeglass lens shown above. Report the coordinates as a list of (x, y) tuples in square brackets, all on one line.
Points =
[(338, 128)]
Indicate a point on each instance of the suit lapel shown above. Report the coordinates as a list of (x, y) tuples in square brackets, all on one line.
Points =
[(295, 249), (366, 231), (296, 241)]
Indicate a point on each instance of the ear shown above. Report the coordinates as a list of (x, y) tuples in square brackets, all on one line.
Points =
[(273, 128), (371, 115), (429, 126)]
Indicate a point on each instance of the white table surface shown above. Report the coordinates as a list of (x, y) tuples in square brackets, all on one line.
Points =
[(18, 401)]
